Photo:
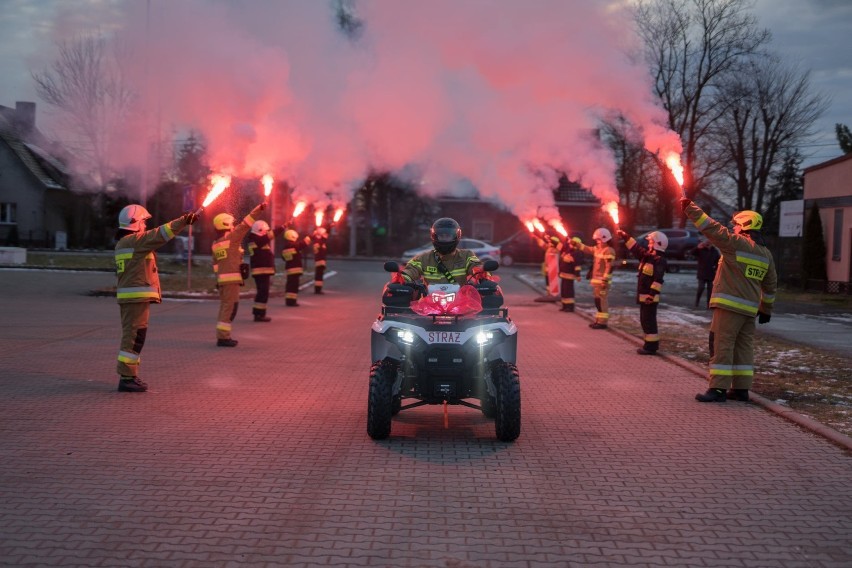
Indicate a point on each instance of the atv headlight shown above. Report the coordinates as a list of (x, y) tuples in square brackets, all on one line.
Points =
[(405, 336), (484, 337)]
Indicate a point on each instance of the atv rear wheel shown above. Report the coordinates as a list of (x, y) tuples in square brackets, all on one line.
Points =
[(380, 402), (507, 422)]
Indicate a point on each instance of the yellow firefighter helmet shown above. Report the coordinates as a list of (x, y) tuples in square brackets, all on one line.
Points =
[(291, 235), (748, 220), (133, 217), (223, 222)]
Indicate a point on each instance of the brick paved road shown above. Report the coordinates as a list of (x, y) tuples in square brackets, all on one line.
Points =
[(259, 455)]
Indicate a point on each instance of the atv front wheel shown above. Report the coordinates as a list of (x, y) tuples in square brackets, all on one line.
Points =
[(488, 405), (380, 402), (507, 422)]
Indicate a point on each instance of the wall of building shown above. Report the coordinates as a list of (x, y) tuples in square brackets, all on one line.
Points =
[(829, 185), (19, 186)]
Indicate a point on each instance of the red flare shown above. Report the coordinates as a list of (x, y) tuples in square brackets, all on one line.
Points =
[(612, 209), (300, 207), (337, 215), (267, 185), (219, 184), (318, 217)]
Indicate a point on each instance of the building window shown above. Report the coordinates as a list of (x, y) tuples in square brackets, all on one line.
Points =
[(483, 230), (8, 213), (837, 235)]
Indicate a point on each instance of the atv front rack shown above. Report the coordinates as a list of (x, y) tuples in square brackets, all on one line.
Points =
[(447, 319)]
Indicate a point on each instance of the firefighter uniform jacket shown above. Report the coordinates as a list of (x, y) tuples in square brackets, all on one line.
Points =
[(746, 280), (569, 265), (320, 250), (136, 263), (459, 263), (261, 253), (601, 263), (652, 270), (292, 255), (228, 251)]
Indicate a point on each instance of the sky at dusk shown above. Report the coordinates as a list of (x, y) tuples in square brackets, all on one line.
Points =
[(312, 109)]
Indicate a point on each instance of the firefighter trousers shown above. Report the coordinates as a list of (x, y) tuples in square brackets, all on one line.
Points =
[(601, 291), (732, 362), (567, 293), (648, 320), (261, 297), (291, 289), (134, 329), (319, 271), (229, 301)]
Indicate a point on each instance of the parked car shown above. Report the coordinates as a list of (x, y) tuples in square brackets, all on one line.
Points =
[(680, 241), (522, 247), (485, 251)]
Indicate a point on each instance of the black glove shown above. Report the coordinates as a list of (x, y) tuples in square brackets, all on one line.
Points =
[(622, 234), (190, 217), (763, 318), (684, 203), (262, 206)]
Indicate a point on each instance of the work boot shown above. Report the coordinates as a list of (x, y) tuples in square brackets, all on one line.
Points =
[(318, 291), (740, 395), (597, 325), (226, 342), (567, 308), (712, 395), (291, 303), (258, 317), (131, 384), (643, 351)]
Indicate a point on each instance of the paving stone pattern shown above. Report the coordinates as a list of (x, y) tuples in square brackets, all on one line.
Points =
[(258, 455)]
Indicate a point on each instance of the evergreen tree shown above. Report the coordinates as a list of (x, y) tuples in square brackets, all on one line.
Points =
[(814, 251), (844, 137)]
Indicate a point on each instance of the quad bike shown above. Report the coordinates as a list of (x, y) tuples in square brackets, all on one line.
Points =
[(446, 357)]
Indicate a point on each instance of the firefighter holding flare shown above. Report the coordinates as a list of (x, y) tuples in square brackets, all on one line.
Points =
[(261, 242), (744, 288), (601, 278), (320, 240), (652, 271), (227, 258), (138, 284), (293, 266)]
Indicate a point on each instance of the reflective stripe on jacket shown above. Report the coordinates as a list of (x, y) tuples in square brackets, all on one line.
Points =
[(228, 253), (746, 280), (136, 263), (652, 271), (601, 264), (458, 263)]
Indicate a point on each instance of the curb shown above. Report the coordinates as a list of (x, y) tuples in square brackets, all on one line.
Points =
[(789, 414)]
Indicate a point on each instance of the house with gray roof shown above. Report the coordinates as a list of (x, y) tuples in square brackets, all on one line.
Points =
[(37, 205)]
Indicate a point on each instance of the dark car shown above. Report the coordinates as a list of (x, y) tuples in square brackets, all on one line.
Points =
[(680, 241), (522, 247)]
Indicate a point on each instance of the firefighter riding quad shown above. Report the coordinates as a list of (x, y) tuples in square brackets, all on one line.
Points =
[(451, 354)]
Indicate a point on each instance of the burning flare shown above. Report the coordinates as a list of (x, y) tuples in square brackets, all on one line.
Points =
[(612, 209), (530, 226), (673, 162), (267, 185), (560, 228), (337, 215), (538, 226), (220, 183), (318, 217), (300, 206)]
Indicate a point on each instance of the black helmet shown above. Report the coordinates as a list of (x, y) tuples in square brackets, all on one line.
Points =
[(445, 235)]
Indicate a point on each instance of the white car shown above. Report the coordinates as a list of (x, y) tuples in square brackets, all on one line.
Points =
[(485, 251)]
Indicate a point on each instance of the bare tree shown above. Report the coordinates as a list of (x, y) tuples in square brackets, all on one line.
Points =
[(767, 111), (87, 84), (691, 46)]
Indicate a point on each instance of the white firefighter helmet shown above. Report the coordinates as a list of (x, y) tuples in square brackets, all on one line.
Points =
[(661, 241), (132, 218), (260, 228), (291, 235), (748, 220), (223, 222), (321, 233), (603, 234)]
